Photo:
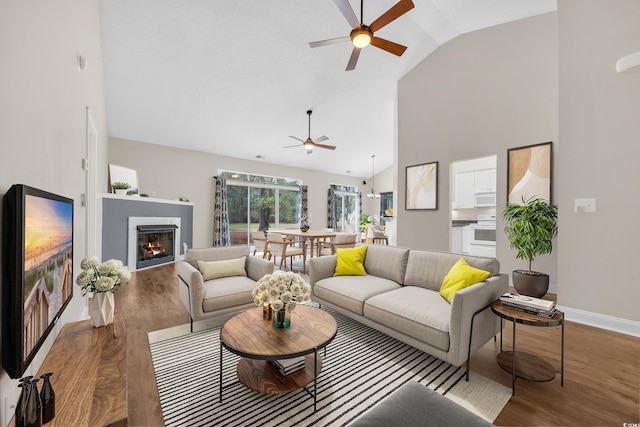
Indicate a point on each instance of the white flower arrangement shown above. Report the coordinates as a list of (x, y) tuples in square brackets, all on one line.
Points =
[(281, 289), (101, 277)]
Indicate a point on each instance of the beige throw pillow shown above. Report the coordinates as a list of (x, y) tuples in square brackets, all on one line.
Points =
[(226, 268)]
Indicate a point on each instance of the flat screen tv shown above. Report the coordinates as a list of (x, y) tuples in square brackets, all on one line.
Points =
[(37, 271)]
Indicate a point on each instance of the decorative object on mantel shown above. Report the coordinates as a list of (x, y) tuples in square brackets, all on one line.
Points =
[(531, 227), (123, 174), (120, 188), (102, 279), (282, 290)]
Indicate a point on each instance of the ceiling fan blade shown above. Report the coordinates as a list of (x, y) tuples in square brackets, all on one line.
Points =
[(329, 41), (353, 60), (347, 11), (320, 139), (396, 11), (391, 47), (295, 137), (291, 146), (328, 147)]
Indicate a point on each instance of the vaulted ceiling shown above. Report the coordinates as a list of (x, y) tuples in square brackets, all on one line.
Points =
[(236, 78)]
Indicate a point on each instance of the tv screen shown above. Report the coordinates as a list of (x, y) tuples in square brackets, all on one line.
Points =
[(37, 280)]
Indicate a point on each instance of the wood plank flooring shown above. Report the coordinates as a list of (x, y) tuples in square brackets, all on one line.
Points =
[(602, 368)]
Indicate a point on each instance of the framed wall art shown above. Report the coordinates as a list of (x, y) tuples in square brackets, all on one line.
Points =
[(126, 175), (529, 172), (421, 186)]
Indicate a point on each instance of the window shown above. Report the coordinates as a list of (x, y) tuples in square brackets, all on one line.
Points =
[(257, 202)]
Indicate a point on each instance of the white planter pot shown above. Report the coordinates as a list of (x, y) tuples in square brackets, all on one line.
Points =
[(121, 191), (102, 308)]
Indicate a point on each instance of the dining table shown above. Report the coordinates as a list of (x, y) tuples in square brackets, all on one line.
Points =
[(314, 236)]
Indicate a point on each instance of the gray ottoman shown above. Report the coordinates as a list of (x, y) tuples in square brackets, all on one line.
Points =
[(414, 405)]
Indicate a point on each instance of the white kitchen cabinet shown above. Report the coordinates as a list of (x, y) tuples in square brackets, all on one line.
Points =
[(456, 240), (485, 181), (464, 190)]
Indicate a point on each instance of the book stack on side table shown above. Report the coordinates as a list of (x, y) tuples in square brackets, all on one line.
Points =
[(531, 305), (288, 366)]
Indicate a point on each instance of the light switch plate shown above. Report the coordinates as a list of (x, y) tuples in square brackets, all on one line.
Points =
[(585, 205)]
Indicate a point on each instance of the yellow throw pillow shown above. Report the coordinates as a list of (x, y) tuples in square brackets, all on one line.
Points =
[(225, 268), (459, 277), (350, 261)]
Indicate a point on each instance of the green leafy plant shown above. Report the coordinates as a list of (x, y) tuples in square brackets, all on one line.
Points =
[(120, 186), (531, 227), (364, 221)]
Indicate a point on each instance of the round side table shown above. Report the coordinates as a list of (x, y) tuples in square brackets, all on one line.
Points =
[(526, 365)]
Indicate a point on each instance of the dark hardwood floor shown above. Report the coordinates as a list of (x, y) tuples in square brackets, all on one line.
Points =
[(601, 382)]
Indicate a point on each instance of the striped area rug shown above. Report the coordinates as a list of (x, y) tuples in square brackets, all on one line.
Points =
[(361, 367)]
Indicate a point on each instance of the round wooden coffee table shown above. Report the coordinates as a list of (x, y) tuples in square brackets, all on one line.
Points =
[(258, 342)]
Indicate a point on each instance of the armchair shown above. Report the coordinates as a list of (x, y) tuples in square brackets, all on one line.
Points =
[(377, 234), (261, 244)]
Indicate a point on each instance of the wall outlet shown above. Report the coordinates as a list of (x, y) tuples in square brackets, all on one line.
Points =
[(585, 205)]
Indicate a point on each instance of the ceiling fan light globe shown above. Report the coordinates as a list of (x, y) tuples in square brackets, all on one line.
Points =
[(361, 37)]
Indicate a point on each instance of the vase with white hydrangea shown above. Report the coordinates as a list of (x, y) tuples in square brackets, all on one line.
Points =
[(282, 290), (102, 279)]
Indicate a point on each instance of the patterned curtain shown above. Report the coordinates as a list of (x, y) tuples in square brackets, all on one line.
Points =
[(331, 209), (303, 203), (221, 214)]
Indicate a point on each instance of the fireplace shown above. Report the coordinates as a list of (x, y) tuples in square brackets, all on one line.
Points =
[(155, 244), (152, 241)]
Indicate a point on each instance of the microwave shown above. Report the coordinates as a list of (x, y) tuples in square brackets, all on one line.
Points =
[(485, 200)]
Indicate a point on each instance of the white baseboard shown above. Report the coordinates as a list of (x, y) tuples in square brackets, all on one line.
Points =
[(602, 321)]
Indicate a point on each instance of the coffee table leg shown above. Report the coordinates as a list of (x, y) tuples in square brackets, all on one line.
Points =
[(315, 376), (220, 372)]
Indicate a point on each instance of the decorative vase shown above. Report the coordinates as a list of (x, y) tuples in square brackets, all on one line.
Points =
[(102, 309), (304, 225), (48, 399), (121, 191), (25, 386), (282, 318), (33, 408)]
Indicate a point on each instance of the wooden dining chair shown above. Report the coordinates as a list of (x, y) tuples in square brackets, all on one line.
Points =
[(341, 240), (261, 244), (281, 247)]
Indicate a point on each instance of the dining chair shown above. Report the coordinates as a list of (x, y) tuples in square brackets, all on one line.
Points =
[(377, 235), (341, 240), (279, 246), (261, 244)]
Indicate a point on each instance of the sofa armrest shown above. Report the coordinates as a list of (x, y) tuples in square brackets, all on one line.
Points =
[(191, 278), (486, 324), (321, 268), (257, 267)]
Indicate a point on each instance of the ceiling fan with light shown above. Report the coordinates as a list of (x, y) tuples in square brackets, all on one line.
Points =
[(309, 144), (362, 35)]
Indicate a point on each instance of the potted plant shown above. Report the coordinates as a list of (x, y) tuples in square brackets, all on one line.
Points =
[(531, 227), (120, 187)]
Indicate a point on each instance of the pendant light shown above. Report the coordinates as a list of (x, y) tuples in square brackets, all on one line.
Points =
[(373, 194)]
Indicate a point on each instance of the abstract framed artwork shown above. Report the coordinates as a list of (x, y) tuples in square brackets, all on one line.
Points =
[(421, 186), (529, 172)]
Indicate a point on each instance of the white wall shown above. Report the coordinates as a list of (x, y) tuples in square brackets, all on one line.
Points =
[(598, 157), (476, 96), (42, 118), (167, 172)]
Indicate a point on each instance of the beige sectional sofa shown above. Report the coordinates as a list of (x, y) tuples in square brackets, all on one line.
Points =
[(400, 297), (220, 296)]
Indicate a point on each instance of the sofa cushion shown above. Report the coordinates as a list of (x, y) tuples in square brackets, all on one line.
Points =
[(429, 268), (385, 261), (215, 253), (227, 292), (350, 292), (459, 277), (224, 268), (349, 261), (414, 311)]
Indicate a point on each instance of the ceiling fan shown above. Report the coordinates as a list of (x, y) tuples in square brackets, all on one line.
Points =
[(362, 35), (309, 144)]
